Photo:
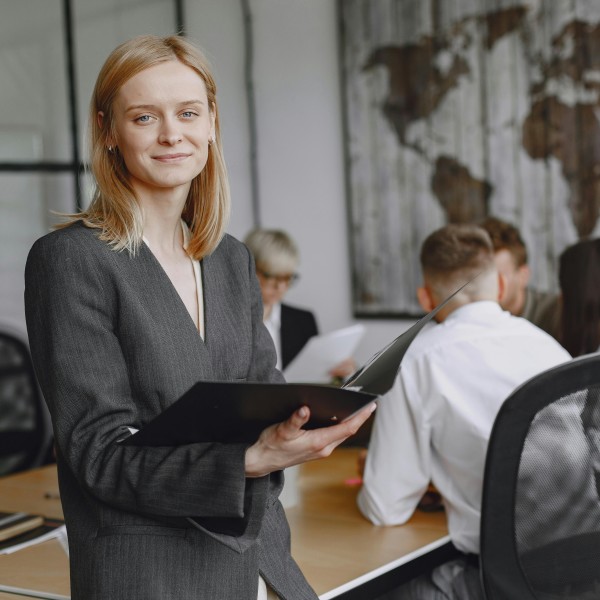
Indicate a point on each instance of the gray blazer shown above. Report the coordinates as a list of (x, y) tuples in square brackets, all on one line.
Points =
[(113, 345)]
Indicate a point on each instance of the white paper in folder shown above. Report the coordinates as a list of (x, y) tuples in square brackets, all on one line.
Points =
[(323, 352)]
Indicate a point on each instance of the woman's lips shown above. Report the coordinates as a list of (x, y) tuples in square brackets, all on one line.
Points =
[(171, 157)]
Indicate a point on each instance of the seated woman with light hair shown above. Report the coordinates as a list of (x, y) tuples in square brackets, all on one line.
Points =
[(277, 258)]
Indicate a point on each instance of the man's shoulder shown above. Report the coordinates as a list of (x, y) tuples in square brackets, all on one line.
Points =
[(538, 303), (481, 326), (543, 309)]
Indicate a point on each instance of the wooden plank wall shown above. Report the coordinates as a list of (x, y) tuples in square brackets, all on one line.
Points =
[(458, 109)]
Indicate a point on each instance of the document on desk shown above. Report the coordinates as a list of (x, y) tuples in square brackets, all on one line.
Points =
[(48, 529), (14, 524), (323, 352), (234, 411)]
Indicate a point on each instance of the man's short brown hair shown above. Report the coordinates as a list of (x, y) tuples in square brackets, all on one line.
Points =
[(455, 254), (506, 237)]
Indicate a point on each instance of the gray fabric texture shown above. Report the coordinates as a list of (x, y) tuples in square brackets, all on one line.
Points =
[(113, 346)]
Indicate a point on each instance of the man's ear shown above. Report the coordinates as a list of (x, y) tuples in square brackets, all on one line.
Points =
[(524, 275), (501, 287), (425, 299)]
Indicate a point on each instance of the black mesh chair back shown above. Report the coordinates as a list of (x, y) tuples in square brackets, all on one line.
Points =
[(25, 429), (540, 520)]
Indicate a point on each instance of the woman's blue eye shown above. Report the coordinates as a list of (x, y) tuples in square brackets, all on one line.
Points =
[(143, 119), (187, 114)]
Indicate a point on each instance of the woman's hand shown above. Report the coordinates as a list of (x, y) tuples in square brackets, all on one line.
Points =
[(287, 444)]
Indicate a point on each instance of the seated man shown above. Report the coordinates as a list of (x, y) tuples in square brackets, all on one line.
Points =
[(435, 423), (510, 254)]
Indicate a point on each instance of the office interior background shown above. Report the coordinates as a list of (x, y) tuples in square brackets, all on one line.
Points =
[(278, 70), (299, 135)]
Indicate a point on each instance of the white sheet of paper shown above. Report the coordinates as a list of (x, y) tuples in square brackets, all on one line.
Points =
[(60, 533), (323, 352)]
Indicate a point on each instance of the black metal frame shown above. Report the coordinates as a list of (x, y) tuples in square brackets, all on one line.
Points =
[(401, 574)]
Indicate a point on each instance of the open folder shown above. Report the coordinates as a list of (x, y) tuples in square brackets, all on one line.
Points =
[(228, 411)]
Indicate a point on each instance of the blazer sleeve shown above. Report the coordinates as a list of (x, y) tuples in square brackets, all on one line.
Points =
[(70, 312)]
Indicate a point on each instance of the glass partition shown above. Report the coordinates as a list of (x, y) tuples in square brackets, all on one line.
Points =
[(50, 54), (99, 28), (29, 204), (34, 120)]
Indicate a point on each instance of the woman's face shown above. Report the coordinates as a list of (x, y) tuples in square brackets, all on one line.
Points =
[(163, 124), (273, 286)]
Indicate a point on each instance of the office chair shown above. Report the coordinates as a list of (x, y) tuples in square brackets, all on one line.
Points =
[(25, 427), (540, 519)]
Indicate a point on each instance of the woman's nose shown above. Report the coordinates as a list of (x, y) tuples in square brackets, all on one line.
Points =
[(169, 133)]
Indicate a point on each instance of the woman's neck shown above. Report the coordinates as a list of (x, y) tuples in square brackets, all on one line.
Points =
[(162, 221)]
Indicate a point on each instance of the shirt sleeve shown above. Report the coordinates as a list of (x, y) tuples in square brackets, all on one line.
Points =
[(398, 465)]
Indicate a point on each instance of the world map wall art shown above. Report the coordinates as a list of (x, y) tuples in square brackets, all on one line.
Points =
[(459, 109)]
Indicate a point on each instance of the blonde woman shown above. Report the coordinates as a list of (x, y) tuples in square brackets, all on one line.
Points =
[(276, 256), (130, 304)]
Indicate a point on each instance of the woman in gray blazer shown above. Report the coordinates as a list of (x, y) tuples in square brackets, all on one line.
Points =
[(128, 305)]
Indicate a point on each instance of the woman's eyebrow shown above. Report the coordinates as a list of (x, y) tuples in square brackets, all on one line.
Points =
[(153, 106)]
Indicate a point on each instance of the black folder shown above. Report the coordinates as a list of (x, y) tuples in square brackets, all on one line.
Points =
[(223, 411), (230, 411)]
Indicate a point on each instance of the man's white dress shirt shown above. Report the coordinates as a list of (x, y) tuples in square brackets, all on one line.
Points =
[(434, 424)]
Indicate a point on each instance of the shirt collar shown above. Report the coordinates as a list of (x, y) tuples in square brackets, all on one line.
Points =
[(274, 317), (475, 309)]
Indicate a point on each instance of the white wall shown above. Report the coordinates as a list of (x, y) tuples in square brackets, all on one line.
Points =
[(300, 141)]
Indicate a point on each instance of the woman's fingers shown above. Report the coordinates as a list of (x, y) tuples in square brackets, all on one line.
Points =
[(287, 444), (349, 426), (293, 426)]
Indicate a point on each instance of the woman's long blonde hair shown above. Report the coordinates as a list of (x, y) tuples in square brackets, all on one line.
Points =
[(114, 208)]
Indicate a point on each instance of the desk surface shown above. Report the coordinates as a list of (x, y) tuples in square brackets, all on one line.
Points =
[(336, 548)]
